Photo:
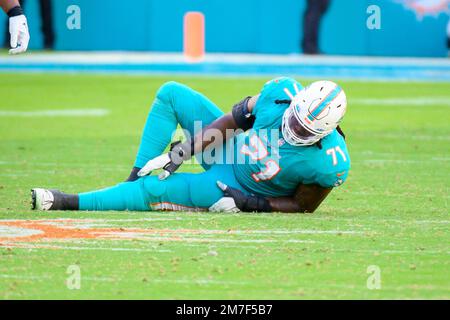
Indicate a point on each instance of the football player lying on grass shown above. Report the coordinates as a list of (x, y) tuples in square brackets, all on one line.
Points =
[(281, 150)]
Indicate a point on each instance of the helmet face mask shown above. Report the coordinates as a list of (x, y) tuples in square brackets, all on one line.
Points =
[(294, 132), (314, 113)]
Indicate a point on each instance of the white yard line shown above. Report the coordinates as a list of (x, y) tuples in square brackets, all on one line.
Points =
[(200, 281), (298, 231), (433, 221), (110, 279), (400, 161), (403, 101), (178, 238), (62, 164), (393, 251), (405, 136), (46, 277), (205, 281), (56, 113), (396, 195), (35, 246), (14, 232), (29, 246), (89, 223), (214, 216), (410, 154), (321, 217), (178, 232)]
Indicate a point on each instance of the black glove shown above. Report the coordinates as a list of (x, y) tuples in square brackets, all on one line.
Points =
[(251, 203)]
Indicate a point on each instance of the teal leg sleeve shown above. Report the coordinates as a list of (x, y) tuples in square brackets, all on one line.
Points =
[(191, 191), (174, 104), (124, 196), (179, 192)]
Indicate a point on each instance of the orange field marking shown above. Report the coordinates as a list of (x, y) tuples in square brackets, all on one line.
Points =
[(37, 233), (67, 229)]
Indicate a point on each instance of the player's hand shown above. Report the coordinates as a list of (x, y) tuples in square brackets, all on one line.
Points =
[(154, 164), (169, 162), (18, 29), (246, 203), (238, 197), (224, 204)]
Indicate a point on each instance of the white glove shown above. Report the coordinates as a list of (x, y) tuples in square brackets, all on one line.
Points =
[(224, 204), (170, 162), (154, 164), (18, 28)]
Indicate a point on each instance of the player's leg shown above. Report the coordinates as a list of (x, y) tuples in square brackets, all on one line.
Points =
[(179, 192), (123, 196), (136, 195), (174, 104), (192, 192)]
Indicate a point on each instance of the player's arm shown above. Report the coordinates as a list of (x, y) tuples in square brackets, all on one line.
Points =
[(18, 26), (8, 4), (305, 200), (216, 133), (239, 118)]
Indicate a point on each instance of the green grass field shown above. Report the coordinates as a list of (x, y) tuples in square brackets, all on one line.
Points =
[(391, 213)]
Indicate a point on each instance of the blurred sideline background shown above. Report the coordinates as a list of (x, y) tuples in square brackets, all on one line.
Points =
[(407, 27), (393, 39)]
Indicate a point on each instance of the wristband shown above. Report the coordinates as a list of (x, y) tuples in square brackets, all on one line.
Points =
[(188, 149), (180, 152), (16, 11), (257, 204)]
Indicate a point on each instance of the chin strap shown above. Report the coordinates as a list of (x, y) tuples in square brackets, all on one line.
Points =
[(338, 128)]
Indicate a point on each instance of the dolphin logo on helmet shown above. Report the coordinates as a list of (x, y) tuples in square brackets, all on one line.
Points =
[(314, 113)]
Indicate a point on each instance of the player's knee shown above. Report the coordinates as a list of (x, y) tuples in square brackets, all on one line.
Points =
[(168, 91), (153, 186)]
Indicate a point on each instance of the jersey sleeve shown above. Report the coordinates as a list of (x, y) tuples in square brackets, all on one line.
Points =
[(275, 89), (331, 180), (305, 172), (332, 163), (266, 111)]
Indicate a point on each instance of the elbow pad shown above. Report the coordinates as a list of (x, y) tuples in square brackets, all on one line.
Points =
[(243, 118)]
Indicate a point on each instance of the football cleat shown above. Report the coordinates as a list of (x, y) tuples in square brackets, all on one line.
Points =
[(42, 199)]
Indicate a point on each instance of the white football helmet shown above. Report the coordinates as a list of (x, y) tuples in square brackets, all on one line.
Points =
[(314, 113)]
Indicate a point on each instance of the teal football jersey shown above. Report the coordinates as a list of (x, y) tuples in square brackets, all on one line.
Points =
[(267, 165)]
